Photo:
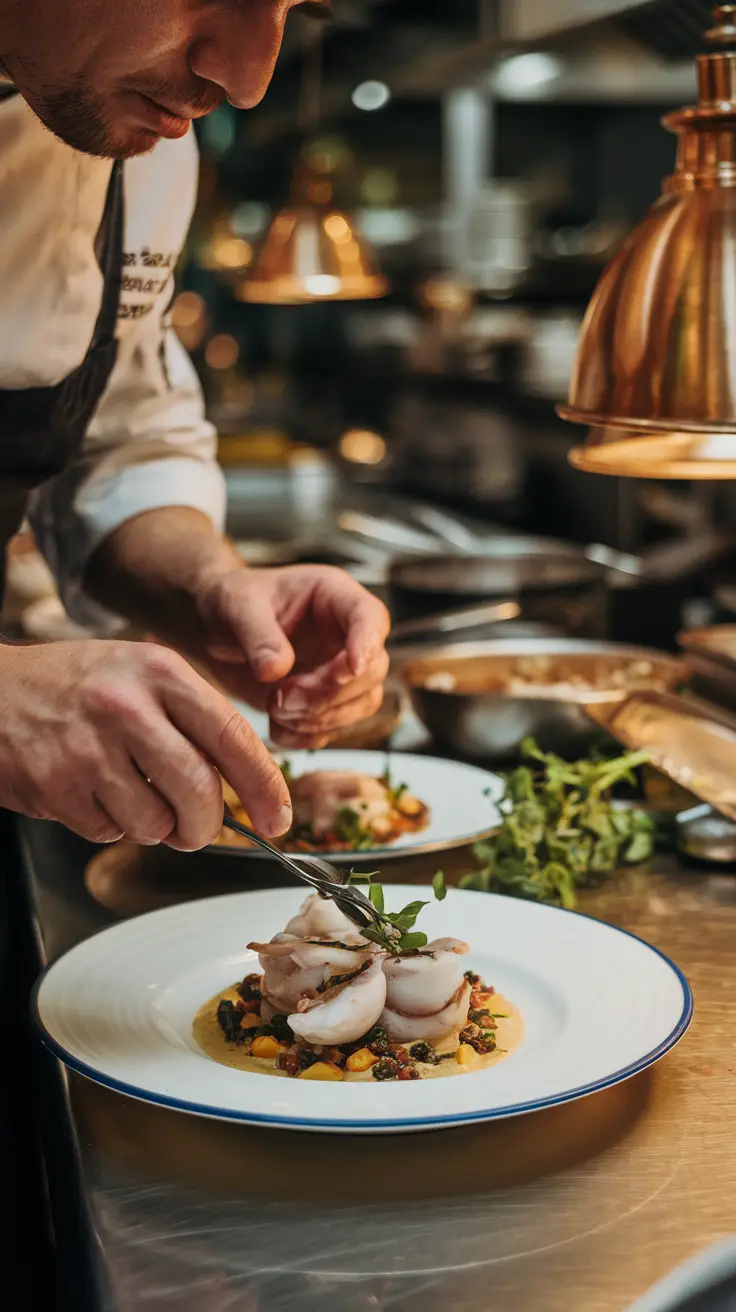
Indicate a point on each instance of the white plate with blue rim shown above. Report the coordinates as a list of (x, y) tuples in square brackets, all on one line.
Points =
[(598, 1006), (462, 800)]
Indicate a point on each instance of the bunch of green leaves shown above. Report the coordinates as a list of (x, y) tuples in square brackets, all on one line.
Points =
[(560, 830), (396, 934)]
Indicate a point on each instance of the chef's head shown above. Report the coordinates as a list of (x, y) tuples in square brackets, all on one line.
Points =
[(110, 77)]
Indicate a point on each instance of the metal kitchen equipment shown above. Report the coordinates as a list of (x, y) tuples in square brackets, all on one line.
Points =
[(488, 724), (705, 835), (561, 588), (710, 657), (325, 879), (691, 741), (654, 379)]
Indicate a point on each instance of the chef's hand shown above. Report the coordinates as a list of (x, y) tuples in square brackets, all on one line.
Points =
[(121, 739), (310, 642)]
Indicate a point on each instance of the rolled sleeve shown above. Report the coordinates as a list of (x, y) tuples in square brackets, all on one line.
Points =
[(149, 446)]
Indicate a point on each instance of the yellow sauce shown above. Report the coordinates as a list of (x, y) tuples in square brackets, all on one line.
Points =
[(212, 1041)]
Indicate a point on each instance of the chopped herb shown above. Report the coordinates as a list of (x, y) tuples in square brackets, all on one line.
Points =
[(425, 1053), (385, 1069), (335, 980), (229, 1016)]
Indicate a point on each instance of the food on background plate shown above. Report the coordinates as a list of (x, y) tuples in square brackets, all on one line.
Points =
[(339, 810), (561, 828), (334, 1003)]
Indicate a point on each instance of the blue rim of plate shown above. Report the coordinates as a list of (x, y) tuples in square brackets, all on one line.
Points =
[(405, 1123)]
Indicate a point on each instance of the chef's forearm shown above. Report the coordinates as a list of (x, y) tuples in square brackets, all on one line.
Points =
[(152, 569)]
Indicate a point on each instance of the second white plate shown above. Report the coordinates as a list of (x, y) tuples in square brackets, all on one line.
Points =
[(462, 799)]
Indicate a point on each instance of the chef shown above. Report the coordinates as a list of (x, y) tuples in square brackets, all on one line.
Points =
[(104, 445)]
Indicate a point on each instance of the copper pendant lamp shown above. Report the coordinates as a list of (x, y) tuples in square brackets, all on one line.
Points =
[(655, 375), (311, 250)]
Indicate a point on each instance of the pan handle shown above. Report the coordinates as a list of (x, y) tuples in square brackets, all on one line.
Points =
[(452, 621)]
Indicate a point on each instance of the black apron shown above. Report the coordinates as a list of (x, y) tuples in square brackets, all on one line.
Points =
[(42, 429)]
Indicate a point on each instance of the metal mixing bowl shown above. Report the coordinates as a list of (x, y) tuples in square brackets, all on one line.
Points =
[(479, 720)]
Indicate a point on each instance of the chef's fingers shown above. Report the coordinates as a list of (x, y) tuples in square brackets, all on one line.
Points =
[(190, 783), (362, 618), (330, 718), (221, 734), (81, 812), (305, 742), (306, 697), (249, 629), (128, 797)]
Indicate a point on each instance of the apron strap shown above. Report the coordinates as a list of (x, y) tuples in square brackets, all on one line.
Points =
[(112, 231)]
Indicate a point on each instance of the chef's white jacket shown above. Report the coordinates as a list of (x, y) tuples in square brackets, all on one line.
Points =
[(149, 444)]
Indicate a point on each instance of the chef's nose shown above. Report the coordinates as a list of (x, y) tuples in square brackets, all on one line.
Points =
[(239, 48)]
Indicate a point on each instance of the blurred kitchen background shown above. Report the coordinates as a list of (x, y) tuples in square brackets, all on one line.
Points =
[(492, 155)]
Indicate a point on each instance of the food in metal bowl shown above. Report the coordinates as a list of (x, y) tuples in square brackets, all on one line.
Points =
[(483, 699), (566, 678)]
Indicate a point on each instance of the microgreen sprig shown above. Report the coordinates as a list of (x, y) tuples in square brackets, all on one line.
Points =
[(396, 933)]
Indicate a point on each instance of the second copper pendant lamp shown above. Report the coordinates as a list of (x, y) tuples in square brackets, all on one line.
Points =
[(311, 250)]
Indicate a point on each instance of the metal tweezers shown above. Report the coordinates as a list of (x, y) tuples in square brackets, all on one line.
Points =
[(325, 879)]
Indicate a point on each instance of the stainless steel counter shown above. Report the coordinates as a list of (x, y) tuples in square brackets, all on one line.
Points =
[(578, 1209)]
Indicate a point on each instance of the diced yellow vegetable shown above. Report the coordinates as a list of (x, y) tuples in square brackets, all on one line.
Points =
[(250, 1021), (409, 806), (381, 826), (265, 1046), (465, 1055), (322, 1070), (362, 1060)]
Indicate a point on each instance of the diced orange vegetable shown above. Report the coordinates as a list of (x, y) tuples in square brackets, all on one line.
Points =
[(322, 1070), (362, 1060), (250, 1021), (409, 806), (465, 1055), (265, 1046)]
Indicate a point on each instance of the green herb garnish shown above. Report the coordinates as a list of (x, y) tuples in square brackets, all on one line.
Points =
[(560, 831), (396, 933)]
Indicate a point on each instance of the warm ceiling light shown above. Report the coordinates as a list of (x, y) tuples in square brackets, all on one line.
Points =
[(360, 446), (232, 253), (370, 96), (188, 309), (311, 252), (189, 319), (311, 255), (222, 351), (654, 380)]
